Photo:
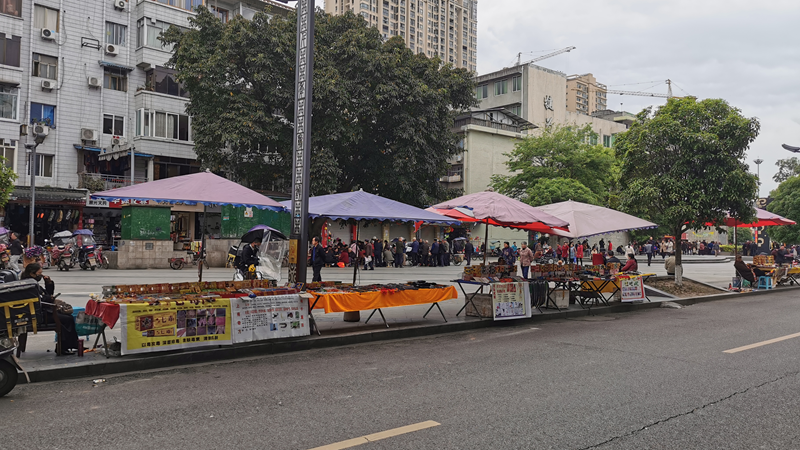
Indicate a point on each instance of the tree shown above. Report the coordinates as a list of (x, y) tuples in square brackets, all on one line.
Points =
[(382, 115), (786, 202), (787, 168), (7, 179), (683, 166), (558, 165)]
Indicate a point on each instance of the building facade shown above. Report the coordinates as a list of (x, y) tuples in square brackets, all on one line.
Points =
[(93, 72), (585, 95), (447, 29)]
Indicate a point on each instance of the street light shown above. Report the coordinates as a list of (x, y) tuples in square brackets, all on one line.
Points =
[(39, 134), (758, 174)]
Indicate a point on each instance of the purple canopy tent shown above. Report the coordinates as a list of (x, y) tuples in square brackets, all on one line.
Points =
[(203, 188)]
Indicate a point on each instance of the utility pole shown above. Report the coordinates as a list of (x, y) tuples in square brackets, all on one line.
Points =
[(758, 174), (301, 177), (40, 133)]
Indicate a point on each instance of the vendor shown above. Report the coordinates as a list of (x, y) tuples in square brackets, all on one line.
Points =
[(747, 271), (612, 259), (669, 264), (631, 265), (67, 335)]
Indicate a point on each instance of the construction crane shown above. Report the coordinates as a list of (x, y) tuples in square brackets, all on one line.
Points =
[(549, 55), (645, 94)]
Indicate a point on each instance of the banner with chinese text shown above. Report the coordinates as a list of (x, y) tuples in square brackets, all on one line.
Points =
[(271, 317)]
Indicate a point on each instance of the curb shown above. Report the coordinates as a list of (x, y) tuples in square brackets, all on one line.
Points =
[(169, 360)]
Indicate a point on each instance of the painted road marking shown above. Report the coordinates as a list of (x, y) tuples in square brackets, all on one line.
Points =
[(762, 343), (378, 436)]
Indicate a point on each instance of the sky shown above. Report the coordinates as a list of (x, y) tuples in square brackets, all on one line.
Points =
[(745, 52)]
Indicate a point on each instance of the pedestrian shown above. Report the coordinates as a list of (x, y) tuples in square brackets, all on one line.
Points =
[(565, 252), (414, 252), (515, 248), (558, 252), (508, 255), (369, 258), (435, 253), (602, 245), (578, 253), (525, 259), (648, 250), (670, 247), (377, 251), (469, 249), (444, 252), (317, 259), (388, 256), (572, 253), (399, 252), (15, 248)]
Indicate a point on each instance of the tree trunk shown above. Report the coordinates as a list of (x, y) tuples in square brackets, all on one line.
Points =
[(678, 257)]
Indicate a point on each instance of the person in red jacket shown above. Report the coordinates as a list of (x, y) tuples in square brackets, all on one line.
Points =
[(565, 252), (631, 265), (579, 253)]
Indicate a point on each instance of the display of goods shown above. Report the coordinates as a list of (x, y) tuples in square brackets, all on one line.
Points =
[(34, 252), (764, 260), (390, 287), (206, 287)]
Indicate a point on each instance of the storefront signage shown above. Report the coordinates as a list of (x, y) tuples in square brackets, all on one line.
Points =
[(271, 317), (97, 203), (248, 212)]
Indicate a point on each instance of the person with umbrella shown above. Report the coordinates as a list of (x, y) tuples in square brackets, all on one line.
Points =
[(249, 256)]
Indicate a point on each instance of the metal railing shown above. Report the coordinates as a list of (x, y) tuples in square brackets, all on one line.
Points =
[(486, 123), (98, 182)]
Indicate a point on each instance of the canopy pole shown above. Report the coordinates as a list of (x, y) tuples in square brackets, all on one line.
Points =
[(355, 266), (735, 244), (486, 243), (202, 260)]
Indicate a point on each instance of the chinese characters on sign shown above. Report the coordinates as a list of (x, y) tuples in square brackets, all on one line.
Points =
[(548, 102), (276, 316)]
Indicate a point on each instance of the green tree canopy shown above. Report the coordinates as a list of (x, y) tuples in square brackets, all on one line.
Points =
[(683, 166), (786, 202), (7, 179), (558, 165), (787, 168), (383, 115)]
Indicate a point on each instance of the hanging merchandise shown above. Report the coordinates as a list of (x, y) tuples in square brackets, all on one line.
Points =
[(69, 215), (60, 215), (52, 215)]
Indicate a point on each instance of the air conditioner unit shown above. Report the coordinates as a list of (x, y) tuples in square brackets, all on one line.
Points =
[(41, 130), (120, 4), (111, 49), (48, 34), (116, 140), (87, 134), (48, 84), (94, 81)]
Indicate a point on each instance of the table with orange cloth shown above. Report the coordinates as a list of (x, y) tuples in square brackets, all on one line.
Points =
[(375, 300)]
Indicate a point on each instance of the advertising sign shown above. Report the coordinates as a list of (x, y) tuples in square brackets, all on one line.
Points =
[(174, 325), (511, 301), (277, 316), (632, 289)]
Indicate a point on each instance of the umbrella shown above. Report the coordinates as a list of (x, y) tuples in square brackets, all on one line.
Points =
[(62, 234), (83, 232), (764, 218), (492, 208), (257, 233), (589, 220), (3, 230)]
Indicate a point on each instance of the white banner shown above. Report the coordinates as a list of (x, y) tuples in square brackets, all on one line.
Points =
[(511, 301), (271, 317)]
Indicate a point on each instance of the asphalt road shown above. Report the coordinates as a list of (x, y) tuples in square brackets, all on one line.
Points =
[(650, 379)]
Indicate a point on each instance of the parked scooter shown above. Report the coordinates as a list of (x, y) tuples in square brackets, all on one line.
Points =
[(86, 245), (9, 369), (63, 252), (102, 259)]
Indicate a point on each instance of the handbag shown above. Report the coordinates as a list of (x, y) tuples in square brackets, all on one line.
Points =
[(63, 307)]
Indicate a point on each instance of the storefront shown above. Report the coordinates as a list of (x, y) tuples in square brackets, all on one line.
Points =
[(56, 210)]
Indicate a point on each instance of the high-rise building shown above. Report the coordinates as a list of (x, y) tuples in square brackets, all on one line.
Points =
[(444, 28), (94, 74), (585, 95)]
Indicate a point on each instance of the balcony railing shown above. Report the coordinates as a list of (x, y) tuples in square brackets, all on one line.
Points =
[(96, 182), (450, 179), (486, 123)]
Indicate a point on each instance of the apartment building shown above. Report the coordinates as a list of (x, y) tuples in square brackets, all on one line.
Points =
[(585, 95), (447, 29), (93, 72)]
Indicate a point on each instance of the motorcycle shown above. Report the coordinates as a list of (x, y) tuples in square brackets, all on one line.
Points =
[(274, 248), (63, 254), (9, 370), (102, 259), (178, 263), (9, 367), (86, 249)]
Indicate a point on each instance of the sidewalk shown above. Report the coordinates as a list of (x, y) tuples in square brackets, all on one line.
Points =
[(42, 364)]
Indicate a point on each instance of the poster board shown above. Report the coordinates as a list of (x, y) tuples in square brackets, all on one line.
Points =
[(174, 325), (271, 317), (511, 301), (632, 289)]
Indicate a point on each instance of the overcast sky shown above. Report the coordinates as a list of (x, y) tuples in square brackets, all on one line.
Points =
[(745, 52)]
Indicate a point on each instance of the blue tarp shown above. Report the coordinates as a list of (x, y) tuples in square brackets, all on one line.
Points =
[(361, 205)]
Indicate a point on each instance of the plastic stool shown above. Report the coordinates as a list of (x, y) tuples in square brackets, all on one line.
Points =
[(765, 283)]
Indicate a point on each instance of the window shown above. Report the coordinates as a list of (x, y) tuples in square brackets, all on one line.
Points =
[(164, 81), (593, 139), (45, 66), (222, 14), (11, 7), (9, 49), (115, 81), (45, 18), (163, 125), (9, 102), (516, 84), (113, 125), (608, 141), (190, 5), (9, 153), (482, 91), (115, 33), (501, 87), (44, 166), (43, 113)]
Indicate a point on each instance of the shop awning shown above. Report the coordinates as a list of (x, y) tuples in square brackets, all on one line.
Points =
[(49, 194), (203, 188), (99, 150), (361, 205)]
